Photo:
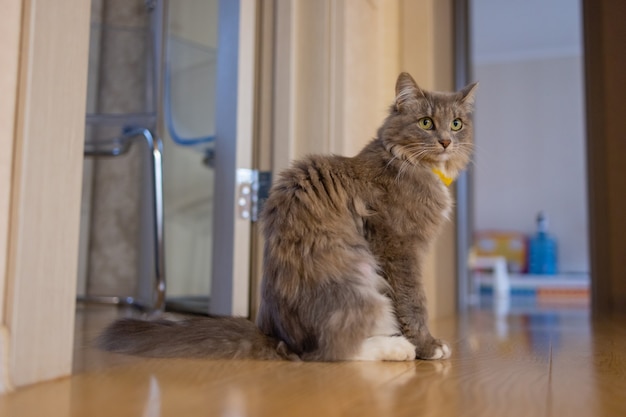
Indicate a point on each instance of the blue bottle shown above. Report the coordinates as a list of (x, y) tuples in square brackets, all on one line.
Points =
[(542, 255)]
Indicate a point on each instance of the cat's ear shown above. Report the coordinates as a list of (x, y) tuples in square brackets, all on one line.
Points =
[(406, 89), (467, 94)]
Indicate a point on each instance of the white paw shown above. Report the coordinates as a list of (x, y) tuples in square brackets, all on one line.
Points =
[(386, 348), (442, 352), (403, 350)]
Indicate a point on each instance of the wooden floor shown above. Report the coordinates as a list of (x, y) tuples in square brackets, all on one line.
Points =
[(525, 365)]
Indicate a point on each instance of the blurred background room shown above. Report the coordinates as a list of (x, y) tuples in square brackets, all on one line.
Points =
[(529, 188)]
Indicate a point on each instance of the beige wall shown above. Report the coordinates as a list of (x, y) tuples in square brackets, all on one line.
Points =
[(427, 53), (364, 67), (336, 67), (508, 145), (336, 64)]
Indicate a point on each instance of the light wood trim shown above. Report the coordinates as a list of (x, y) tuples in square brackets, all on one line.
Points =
[(10, 26), (284, 91), (46, 187), (605, 66)]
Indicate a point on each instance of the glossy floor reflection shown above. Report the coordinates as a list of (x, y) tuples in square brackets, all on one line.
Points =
[(549, 364)]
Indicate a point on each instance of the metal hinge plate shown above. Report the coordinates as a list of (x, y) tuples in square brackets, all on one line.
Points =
[(253, 188)]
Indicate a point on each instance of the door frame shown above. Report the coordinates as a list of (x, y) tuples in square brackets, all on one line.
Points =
[(236, 72), (47, 73), (463, 184), (605, 64)]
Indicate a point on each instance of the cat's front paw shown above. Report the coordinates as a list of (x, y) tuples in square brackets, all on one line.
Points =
[(386, 348), (433, 349)]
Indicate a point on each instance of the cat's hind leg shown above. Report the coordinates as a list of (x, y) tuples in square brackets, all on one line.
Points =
[(382, 341), (352, 317)]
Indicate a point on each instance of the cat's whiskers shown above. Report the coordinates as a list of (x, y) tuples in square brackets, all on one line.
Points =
[(466, 145), (393, 157), (471, 162), (409, 155), (466, 149), (418, 154), (404, 167)]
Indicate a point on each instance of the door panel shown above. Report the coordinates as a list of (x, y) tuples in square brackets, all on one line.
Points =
[(209, 106), (233, 149)]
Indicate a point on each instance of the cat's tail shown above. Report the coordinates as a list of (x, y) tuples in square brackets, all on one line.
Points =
[(206, 337)]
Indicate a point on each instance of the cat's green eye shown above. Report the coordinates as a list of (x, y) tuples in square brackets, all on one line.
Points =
[(456, 125), (426, 123)]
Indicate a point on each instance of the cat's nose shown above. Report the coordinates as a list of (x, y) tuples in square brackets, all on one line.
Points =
[(445, 143)]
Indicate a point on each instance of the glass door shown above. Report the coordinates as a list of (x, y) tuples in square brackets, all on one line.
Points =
[(207, 133)]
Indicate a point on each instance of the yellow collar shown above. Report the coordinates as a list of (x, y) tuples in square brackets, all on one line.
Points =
[(443, 177)]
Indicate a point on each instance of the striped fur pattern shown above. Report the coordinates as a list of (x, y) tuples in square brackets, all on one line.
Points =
[(345, 243)]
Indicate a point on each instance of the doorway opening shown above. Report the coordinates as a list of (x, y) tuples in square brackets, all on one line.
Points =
[(528, 196)]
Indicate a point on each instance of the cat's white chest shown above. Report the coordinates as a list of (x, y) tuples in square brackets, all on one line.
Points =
[(446, 212)]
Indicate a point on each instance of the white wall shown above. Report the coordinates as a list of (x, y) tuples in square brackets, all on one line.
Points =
[(530, 151)]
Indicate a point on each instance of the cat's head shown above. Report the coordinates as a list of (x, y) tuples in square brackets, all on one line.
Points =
[(430, 128)]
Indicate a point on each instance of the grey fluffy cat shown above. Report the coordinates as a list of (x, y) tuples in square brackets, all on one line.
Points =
[(345, 241)]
